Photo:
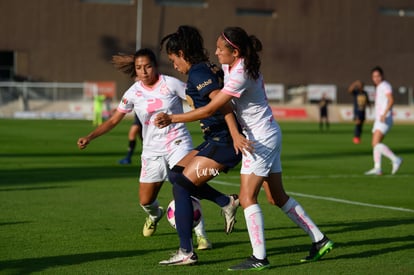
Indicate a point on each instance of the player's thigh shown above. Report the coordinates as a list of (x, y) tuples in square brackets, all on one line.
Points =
[(201, 169), (187, 158)]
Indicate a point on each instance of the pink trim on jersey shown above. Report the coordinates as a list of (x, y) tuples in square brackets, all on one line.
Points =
[(234, 64), (123, 111), (153, 87), (230, 93)]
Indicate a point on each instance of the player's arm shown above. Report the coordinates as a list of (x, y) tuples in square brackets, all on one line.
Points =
[(101, 129), (240, 143), (390, 98), (354, 85), (162, 120)]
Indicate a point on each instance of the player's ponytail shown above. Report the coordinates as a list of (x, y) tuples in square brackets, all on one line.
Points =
[(248, 46), (189, 41), (126, 62)]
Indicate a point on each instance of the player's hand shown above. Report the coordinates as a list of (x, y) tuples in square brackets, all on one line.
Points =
[(83, 142), (162, 120), (242, 144)]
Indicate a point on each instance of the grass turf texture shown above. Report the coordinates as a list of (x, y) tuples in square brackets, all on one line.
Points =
[(65, 211)]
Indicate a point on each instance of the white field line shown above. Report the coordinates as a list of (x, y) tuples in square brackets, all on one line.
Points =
[(336, 176), (330, 199)]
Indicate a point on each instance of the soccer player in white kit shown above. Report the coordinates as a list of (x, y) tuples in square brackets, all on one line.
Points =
[(243, 85), (162, 148), (384, 101)]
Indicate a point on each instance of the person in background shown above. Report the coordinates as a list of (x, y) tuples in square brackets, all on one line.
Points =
[(244, 87), (323, 112), (134, 132), (361, 102), (98, 105), (384, 101)]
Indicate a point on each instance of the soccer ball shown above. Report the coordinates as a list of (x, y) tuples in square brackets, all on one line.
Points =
[(196, 212)]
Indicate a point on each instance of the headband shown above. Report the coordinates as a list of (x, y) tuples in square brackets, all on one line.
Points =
[(228, 41)]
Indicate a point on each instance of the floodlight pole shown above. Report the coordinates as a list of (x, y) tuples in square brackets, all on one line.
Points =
[(139, 25)]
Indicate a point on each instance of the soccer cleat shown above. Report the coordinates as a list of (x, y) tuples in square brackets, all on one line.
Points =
[(181, 258), (356, 140), (319, 249), (229, 213), (396, 165), (203, 243), (125, 161), (150, 226), (374, 171), (251, 263)]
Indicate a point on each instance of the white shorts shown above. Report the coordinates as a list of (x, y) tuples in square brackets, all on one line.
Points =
[(265, 158), (155, 168), (383, 127)]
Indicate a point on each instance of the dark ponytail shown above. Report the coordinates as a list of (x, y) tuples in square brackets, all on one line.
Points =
[(248, 46), (188, 40), (126, 62)]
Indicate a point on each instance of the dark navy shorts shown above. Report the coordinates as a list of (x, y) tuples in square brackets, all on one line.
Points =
[(359, 115), (222, 153), (136, 121)]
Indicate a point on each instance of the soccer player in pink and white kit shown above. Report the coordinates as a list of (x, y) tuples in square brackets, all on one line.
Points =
[(384, 101), (244, 87)]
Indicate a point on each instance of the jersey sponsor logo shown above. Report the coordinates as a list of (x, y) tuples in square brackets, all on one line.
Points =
[(204, 84)]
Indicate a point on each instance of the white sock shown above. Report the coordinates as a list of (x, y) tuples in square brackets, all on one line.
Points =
[(376, 154), (386, 151), (152, 210), (298, 215), (255, 226), (199, 229)]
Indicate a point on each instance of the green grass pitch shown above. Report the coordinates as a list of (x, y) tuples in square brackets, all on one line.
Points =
[(66, 211)]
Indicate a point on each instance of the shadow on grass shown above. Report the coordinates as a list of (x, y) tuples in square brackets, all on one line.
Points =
[(45, 175), (29, 265), (388, 243)]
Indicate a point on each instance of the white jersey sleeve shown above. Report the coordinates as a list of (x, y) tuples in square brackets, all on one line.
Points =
[(250, 102), (176, 85), (381, 99)]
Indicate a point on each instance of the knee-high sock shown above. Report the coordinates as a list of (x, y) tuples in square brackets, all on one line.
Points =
[(298, 215), (199, 230), (131, 148), (152, 210), (255, 226), (382, 149), (183, 217), (207, 192), (358, 130), (204, 191)]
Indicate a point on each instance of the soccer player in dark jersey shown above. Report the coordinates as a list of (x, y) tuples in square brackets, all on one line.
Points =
[(221, 149), (361, 102)]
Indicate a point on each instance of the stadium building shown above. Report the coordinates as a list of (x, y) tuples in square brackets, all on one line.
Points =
[(307, 44)]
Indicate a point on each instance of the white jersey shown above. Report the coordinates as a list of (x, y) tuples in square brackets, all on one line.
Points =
[(381, 100), (250, 102), (165, 96)]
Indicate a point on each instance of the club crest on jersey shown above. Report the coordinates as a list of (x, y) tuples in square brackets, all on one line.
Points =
[(204, 84)]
